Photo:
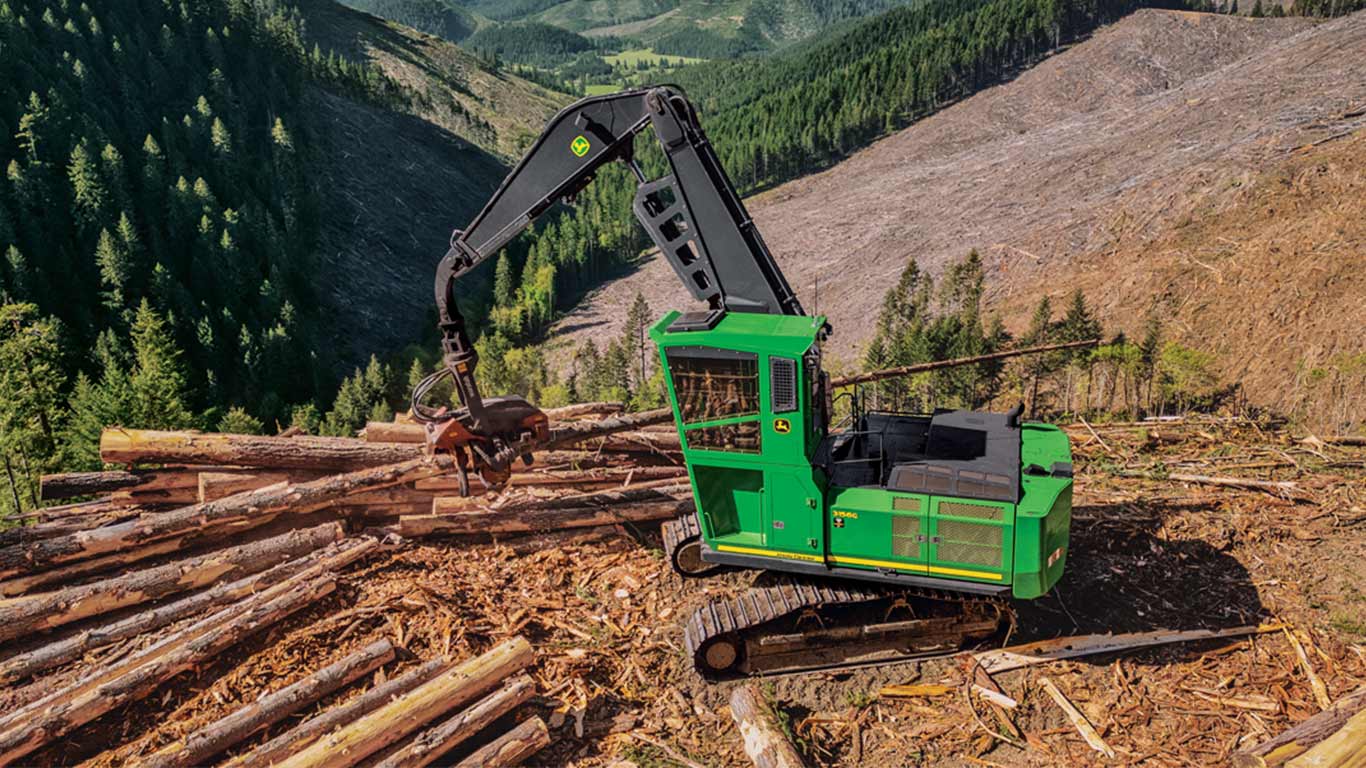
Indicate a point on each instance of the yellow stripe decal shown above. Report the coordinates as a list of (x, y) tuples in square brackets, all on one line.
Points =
[(878, 563), (917, 568), (861, 561), (969, 574), (769, 553)]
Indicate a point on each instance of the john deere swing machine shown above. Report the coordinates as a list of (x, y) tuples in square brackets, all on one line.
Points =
[(897, 535)]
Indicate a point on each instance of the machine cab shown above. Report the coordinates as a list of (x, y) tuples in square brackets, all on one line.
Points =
[(743, 389)]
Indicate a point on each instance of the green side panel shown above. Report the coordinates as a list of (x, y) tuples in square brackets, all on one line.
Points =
[(1044, 516), (795, 514), (971, 539), (871, 528), (730, 501)]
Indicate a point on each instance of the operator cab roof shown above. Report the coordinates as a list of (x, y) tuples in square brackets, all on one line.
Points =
[(790, 335)]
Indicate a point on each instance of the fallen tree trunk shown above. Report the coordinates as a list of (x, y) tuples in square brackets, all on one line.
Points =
[(1044, 651), (437, 741), (581, 410), (637, 442), (68, 484), (1344, 749), (535, 520), (564, 435), (243, 510), (452, 688), (75, 509), (338, 454), (608, 497), (44, 657), (53, 609), (212, 739), (512, 748), (219, 485), (22, 585), (311, 730), (1295, 741), (764, 741), (54, 716), (909, 370), (1277, 487)]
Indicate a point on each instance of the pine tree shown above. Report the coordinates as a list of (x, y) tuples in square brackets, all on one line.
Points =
[(1040, 332), (238, 422), (88, 192), (503, 284), (306, 418), (281, 136), (113, 262), (160, 399), (33, 125), (221, 139), (634, 337), (20, 279), (31, 383)]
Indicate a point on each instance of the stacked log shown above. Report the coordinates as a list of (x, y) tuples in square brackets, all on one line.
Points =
[(202, 541)]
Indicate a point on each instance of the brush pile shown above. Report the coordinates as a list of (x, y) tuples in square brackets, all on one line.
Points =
[(105, 602)]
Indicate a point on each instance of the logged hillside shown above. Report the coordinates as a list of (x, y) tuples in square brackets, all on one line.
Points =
[(1159, 126)]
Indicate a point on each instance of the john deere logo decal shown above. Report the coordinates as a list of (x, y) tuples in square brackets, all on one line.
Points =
[(579, 146), (782, 426)]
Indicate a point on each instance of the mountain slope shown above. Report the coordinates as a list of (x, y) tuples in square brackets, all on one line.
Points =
[(434, 17), (397, 181), (1153, 122)]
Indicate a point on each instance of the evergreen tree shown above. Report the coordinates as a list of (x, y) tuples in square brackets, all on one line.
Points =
[(158, 388), (634, 337), (31, 384), (1041, 330), (503, 285), (88, 192), (238, 422), (113, 262)]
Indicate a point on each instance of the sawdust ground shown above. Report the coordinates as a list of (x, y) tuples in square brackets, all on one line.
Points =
[(604, 616)]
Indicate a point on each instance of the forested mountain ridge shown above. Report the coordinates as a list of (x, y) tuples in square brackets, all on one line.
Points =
[(201, 198)]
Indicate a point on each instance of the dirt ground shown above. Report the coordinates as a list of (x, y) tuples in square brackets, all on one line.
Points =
[(604, 614)]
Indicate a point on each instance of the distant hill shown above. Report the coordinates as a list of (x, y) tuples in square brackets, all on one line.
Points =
[(442, 18), (1205, 167), (694, 28)]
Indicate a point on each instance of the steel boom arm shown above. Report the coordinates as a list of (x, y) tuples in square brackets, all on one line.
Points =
[(693, 214)]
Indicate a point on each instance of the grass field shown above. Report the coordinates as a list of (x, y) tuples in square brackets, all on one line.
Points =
[(599, 89), (634, 56)]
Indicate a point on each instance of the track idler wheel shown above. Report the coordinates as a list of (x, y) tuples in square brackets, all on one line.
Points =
[(683, 543), (720, 657)]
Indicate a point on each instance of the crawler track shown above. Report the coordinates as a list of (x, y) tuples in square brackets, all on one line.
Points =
[(796, 623)]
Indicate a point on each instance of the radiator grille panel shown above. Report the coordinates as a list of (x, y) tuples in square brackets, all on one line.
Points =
[(783, 382), (963, 542), (974, 511), (906, 537), (906, 505)]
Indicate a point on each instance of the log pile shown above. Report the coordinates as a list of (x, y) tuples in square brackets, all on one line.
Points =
[(202, 543)]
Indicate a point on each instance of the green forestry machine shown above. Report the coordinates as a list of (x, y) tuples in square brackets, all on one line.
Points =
[(896, 535)]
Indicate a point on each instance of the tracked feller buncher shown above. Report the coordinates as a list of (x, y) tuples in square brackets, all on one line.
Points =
[(892, 536)]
